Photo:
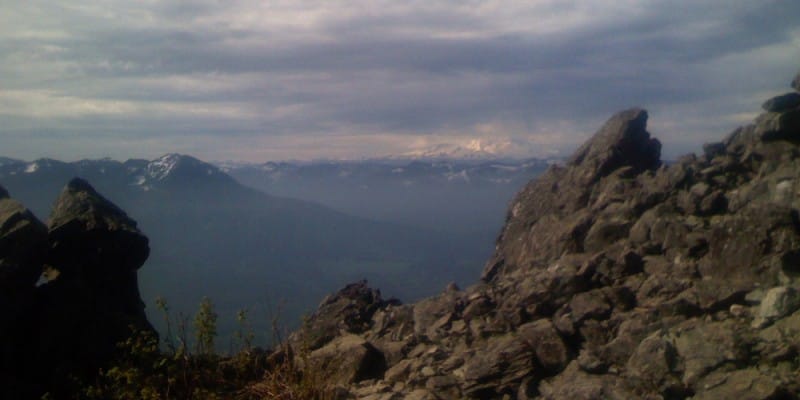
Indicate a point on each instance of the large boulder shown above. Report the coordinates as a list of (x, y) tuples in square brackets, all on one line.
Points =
[(23, 244), (347, 359), (348, 311), (93, 243), (23, 239), (784, 102), (90, 235), (622, 141), (91, 301)]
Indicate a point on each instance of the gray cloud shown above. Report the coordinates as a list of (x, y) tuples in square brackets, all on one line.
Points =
[(243, 74)]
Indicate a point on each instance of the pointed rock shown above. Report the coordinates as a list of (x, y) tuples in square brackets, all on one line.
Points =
[(774, 126), (551, 215), (622, 141), (350, 310), (22, 242), (89, 232), (93, 303), (784, 102), (796, 82)]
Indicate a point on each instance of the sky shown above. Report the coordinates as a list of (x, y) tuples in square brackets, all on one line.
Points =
[(259, 80)]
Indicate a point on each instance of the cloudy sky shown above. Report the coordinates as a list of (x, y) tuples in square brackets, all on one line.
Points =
[(265, 80)]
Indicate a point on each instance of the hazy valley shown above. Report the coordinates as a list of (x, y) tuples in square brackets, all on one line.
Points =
[(410, 227)]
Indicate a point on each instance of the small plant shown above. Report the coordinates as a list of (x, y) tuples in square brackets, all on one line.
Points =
[(143, 370), (244, 334), (205, 328)]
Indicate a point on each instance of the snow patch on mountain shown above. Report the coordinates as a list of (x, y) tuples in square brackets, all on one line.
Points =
[(31, 168), (160, 168), (461, 175), (483, 149)]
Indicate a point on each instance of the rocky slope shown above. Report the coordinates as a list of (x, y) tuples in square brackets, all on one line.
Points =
[(614, 277), (68, 291)]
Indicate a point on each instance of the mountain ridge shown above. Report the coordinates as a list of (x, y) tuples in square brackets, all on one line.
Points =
[(456, 196), (245, 248)]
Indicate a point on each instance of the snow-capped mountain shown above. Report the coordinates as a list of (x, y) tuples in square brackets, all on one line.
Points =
[(170, 169), (408, 172), (471, 150)]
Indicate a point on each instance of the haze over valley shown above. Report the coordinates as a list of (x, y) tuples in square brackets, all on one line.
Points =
[(409, 226)]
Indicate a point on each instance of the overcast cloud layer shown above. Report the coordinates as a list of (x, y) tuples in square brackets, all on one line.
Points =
[(269, 80)]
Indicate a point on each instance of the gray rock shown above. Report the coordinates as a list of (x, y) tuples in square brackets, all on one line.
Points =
[(589, 305), (500, 366), (623, 141), (350, 311), (779, 126), (711, 150), (23, 241), (548, 346), (84, 223), (705, 346), (777, 303), (347, 359), (784, 102), (95, 245), (750, 384), (421, 394), (578, 385), (548, 218), (605, 232), (68, 326), (23, 245), (655, 364)]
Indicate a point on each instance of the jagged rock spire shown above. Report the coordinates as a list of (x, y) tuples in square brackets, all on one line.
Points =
[(622, 141)]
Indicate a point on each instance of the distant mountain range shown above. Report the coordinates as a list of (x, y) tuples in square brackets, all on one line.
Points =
[(453, 195), (413, 227), (485, 149)]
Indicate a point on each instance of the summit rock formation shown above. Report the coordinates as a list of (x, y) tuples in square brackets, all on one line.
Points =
[(616, 276), (69, 291)]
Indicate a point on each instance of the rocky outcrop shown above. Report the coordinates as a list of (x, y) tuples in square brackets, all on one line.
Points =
[(95, 243), (617, 276), (23, 244), (86, 300), (349, 311)]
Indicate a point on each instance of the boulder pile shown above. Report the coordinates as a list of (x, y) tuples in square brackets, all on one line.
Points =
[(616, 276)]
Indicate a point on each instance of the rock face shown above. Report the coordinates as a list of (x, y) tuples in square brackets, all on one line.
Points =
[(68, 326), (618, 277), (23, 244), (95, 243)]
